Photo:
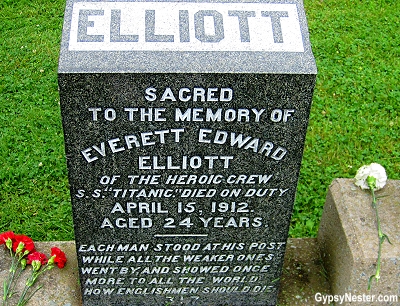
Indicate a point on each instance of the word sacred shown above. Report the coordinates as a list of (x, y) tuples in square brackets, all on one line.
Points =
[(180, 26)]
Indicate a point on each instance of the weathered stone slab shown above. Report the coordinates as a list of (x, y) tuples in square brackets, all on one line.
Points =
[(184, 126), (60, 287), (349, 243)]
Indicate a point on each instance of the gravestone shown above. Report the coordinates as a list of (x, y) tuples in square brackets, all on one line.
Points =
[(184, 126)]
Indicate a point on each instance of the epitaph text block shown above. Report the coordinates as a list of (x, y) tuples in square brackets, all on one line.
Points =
[(184, 128)]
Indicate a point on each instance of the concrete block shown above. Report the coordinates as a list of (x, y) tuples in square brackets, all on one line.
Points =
[(349, 242)]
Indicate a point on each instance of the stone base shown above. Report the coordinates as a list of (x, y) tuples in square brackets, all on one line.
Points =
[(60, 286), (302, 276), (349, 243)]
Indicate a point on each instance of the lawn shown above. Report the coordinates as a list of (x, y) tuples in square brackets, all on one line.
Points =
[(354, 118)]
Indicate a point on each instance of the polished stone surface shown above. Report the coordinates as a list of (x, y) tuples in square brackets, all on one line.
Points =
[(184, 127)]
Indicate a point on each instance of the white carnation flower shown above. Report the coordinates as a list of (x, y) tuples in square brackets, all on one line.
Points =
[(373, 170)]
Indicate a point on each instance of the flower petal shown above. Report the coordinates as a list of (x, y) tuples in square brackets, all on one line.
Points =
[(374, 170)]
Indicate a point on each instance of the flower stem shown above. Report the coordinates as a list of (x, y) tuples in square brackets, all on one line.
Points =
[(30, 282), (30, 296), (9, 282), (381, 238)]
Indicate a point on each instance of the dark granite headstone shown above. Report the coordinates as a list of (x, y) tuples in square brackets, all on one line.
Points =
[(184, 128)]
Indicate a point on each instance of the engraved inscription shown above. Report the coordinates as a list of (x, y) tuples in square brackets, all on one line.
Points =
[(162, 26)]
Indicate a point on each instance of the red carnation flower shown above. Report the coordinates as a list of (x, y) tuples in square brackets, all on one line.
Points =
[(37, 256), (59, 257), (5, 236), (28, 243)]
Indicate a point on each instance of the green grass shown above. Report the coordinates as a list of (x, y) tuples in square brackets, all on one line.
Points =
[(355, 115), (33, 178), (354, 118)]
